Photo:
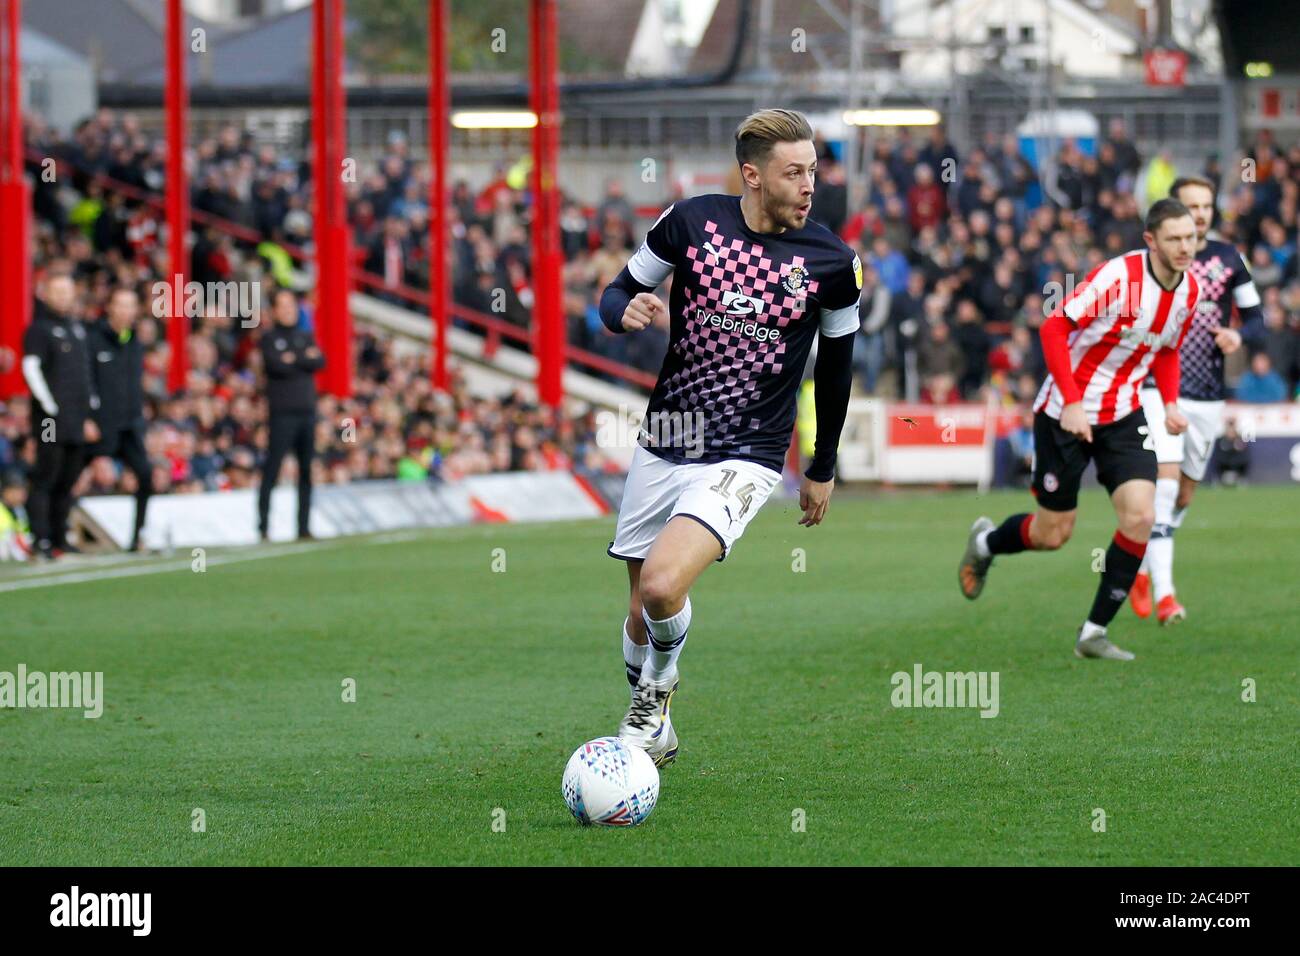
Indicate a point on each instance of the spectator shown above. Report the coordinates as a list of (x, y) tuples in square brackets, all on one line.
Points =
[(974, 343), (1231, 455), (1280, 248), (939, 389), (1000, 293), (830, 198), (1261, 384), (1125, 161), (15, 534), (1276, 337), (874, 309), (926, 204), (940, 156), (615, 206), (1021, 441), (939, 354), (1264, 269), (890, 266), (388, 257)]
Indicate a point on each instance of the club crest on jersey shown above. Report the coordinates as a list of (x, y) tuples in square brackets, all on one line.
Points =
[(794, 281)]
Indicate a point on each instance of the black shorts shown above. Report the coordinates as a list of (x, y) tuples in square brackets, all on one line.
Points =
[(1123, 451)]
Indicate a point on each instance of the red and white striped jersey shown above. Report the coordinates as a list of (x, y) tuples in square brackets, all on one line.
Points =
[(1122, 318)]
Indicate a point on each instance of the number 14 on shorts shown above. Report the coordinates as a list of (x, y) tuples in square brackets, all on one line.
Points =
[(744, 494)]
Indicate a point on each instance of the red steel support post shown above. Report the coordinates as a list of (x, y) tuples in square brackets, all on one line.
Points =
[(439, 109), (176, 103), (548, 258), (333, 325), (15, 207)]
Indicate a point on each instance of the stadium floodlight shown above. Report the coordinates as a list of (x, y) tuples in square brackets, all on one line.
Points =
[(895, 117), (1260, 70), (500, 119)]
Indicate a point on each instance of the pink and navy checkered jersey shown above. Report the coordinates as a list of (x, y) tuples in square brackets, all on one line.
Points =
[(1224, 280), (745, 308)]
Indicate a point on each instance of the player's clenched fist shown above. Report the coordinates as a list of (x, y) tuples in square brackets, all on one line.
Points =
[(1175, 420), (1075, 421), (1228, 340), (641, 311)]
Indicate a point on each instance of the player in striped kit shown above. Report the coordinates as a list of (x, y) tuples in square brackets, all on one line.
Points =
[(1225, 282), (1127, 319)]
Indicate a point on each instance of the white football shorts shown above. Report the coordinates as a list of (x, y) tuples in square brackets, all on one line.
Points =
[(723, 496), (1193, 448)]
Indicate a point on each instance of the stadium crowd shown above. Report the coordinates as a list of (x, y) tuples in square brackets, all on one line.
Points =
[(212, 434), (962, 256), (958, 253)]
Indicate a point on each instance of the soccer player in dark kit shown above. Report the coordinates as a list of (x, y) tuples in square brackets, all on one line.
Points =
[(755, 282)]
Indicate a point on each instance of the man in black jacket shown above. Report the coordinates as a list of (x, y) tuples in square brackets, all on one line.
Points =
[(56, 366), (118, 361), (291, 359)]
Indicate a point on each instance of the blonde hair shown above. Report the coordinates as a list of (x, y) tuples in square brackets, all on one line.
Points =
[(759, 132)]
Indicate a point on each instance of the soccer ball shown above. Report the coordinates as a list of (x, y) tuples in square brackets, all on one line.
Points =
[(611, 783)]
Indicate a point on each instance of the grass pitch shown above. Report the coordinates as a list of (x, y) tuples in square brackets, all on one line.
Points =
[(224, 694)]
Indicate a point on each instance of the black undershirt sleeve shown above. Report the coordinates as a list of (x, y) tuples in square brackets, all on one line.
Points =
[(614, 300), (832, 382), (1250, 314)]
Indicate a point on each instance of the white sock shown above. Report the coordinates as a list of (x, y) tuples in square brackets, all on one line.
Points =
[(1091, 630), (1160, 549), (667, 638), (982, 544), (633, 655)]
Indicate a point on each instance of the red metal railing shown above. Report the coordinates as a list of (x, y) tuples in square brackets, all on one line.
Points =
[(495, 330)]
